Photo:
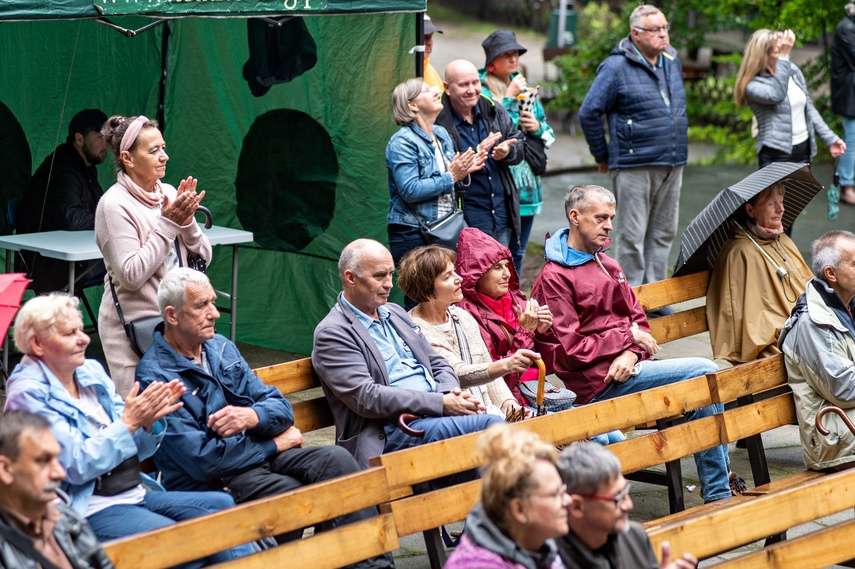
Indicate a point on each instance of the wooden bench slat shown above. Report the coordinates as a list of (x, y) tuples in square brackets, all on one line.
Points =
[(427, 462), (701, 434), (299, 508), (312, 414), (681, 325), (422, 512), (760, 375), (328, 550), (816, 550), (673, 290), (748, 521), (290, 377), (672, 521)]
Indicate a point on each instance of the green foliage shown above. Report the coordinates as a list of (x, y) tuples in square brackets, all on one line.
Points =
[(715, 117), (598, 31)]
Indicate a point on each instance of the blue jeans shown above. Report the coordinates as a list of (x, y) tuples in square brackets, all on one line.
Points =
[(439, 429), (846, 163), (712, 464), (160, 509)]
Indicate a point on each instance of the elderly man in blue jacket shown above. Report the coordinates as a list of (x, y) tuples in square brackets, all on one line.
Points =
[(233, 431), (639, 88)]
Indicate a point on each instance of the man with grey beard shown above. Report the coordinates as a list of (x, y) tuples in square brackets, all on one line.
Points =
[(35, 532)]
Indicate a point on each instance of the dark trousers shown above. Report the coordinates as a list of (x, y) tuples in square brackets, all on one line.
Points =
[(402, 240), (799, 153), (299, 467)]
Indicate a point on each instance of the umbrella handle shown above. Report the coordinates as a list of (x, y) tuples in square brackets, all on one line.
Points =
[(404, 420), (836, 410), (541, 385)]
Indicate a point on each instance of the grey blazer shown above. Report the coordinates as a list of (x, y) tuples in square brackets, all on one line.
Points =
[(767, 96), (354, 379)]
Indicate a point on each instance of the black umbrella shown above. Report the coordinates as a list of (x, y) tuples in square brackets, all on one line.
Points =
[(703, 239)]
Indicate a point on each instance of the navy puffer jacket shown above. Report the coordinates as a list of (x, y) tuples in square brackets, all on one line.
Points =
[(644, 128)]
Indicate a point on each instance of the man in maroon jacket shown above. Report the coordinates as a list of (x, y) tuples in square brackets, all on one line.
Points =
[(603, 344)]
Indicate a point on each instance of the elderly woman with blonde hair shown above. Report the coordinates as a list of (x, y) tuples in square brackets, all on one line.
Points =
[(776, 91), (523, 505), (103, 438)]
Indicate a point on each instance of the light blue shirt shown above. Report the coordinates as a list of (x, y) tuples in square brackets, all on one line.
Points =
[(403, 369)]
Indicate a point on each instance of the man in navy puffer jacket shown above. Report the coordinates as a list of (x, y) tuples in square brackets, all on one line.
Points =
[(639, 88)]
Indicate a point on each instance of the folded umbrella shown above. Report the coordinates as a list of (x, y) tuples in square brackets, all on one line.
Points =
[(833, 196), (703, 239)]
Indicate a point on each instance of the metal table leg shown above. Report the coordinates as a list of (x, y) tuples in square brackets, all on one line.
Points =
[(71, 269), (233, 300)]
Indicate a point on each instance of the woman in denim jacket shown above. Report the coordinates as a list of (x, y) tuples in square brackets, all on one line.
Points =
[(423, 167)]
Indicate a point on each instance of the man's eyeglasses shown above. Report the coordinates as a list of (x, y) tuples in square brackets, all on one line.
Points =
[(655, 30), (616, 499)]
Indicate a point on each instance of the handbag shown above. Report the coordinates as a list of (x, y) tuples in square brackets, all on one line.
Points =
[(140, 332), (535, 154), (554, 398), (444, 231)]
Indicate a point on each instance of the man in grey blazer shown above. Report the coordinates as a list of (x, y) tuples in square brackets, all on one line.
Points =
[(375, 364)]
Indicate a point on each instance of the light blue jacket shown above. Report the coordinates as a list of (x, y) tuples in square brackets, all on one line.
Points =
[(414, 176), (86, 453)]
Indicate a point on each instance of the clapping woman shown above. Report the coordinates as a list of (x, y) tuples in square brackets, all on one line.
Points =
[(775, 89), (423, 167), (143, 227)]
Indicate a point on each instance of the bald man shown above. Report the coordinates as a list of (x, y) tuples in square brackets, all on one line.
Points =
[(375, 364), (492, 201)]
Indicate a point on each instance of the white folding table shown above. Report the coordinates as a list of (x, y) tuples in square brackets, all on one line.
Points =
[(74, 246)]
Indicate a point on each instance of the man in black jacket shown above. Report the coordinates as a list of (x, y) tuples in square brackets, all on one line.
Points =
[(63, 195), (492, 201), (843, 97), (33, 531)]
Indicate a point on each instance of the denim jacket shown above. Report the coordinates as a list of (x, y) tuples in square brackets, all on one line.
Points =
[(414, 175), (86, 453)]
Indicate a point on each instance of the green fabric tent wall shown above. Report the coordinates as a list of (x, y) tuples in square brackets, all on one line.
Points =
[(288, 280)]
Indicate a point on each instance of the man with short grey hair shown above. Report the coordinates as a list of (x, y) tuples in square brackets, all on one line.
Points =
[(818, 341), (601, 535), (375, 364), (639, 89), (602, 347), (233, 431)]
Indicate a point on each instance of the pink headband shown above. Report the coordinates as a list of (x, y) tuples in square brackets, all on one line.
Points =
[(132, 133)]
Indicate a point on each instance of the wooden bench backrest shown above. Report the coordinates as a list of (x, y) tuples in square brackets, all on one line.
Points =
[(671, 291), (746, 521), (311, 413), (816, 550), (293, 510), (425, 511)]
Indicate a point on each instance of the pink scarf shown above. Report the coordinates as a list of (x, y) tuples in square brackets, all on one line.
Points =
[(150, 199), (503, 307)]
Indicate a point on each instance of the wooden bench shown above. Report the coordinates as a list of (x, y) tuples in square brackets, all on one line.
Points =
[(271, 516), (771, 508), (421, 512)]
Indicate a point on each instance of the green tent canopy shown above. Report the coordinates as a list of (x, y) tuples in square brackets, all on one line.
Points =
[(302, 166), (73, 9)]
